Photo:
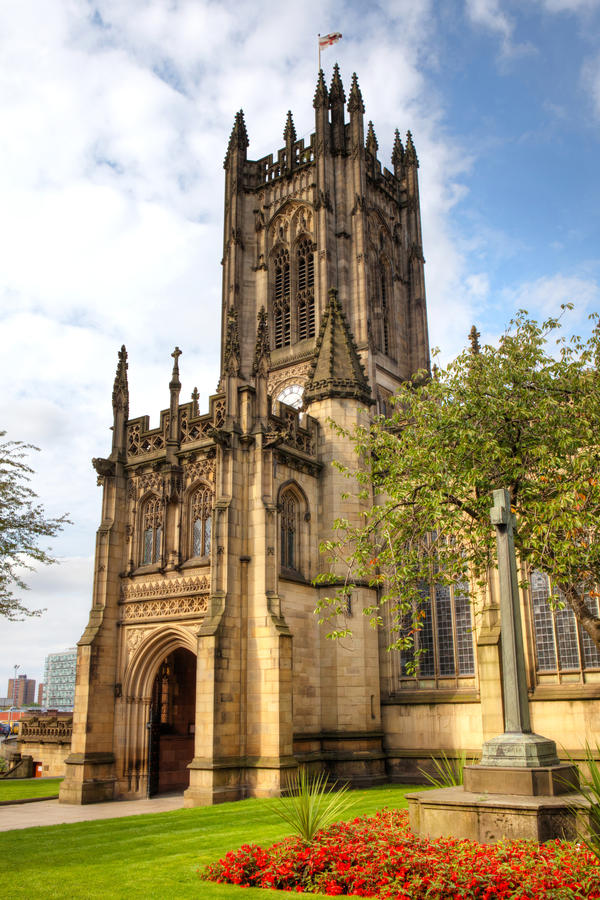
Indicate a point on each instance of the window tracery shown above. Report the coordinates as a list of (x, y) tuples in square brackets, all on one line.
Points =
[(152, 527), (201, 521), (289, 530), (561, 645)]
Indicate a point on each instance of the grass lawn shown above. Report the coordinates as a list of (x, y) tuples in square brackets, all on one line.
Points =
[(151, 856), (24, 788)]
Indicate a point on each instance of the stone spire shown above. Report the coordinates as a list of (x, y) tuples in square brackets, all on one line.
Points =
[(120, 404), (289, 133), (120, 394), (289, 136), (174, 390), (336, 370), (410, 154), (337, 105), (232, 356), (262, 352), (372, 145), (321, 97), (195, 398), (336, 90), (238, 140), (474, 336), (397, 153), (355, 101)]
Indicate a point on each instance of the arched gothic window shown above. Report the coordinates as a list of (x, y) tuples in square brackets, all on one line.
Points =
[(152, 527), (305, 289), (290, 509), (446, 635), (281, 299), (201, 521), (561, 645)]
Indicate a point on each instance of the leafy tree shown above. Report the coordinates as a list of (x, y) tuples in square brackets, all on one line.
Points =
[(524, 416), (22, 524)]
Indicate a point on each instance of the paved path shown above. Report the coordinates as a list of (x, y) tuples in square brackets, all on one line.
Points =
[(51, 812)]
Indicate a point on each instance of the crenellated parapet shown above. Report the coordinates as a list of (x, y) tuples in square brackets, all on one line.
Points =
[(145, 442)]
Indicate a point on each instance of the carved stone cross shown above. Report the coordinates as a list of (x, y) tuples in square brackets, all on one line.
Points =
[(517, 746)]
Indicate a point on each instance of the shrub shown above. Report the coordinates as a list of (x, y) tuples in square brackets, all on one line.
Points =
[(312, 803)]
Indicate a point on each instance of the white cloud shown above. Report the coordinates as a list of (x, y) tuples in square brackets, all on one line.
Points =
[(65, 591), (488, 14), (545, 296), (591, 80)]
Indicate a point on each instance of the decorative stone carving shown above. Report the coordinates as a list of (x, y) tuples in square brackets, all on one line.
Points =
[(165, 587), (134, 638), (168, 608), (201, 469)]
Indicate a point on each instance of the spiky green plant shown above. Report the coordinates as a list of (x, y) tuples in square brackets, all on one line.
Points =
[(589, 787), (448, 772), (312, 803)]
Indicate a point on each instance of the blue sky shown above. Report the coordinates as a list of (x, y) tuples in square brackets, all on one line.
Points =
[(116, 116)]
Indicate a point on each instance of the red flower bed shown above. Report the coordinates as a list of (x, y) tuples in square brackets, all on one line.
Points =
[(378, 856)]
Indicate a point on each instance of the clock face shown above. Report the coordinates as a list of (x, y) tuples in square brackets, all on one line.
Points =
[(292, 395)]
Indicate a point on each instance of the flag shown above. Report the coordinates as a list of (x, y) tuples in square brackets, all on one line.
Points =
[(327, 40)]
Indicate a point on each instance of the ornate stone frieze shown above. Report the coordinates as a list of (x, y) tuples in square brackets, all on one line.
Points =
[(165, 587), (167, 608)]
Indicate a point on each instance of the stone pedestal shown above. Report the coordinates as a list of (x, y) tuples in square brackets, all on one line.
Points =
[(503, 803)]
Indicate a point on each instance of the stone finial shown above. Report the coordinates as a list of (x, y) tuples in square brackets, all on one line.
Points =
[(336, 370), (175, 376), (397, 152), (410, 154), (355, 101), (262, 351), (120, 394), (232, 356), (238, 140), (195, 399), (321, 97), (474, 336), (372, 145), (289, 133), (336, 90)]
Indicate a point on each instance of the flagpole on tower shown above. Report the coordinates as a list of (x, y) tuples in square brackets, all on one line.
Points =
[(326, 40), (319, 51)]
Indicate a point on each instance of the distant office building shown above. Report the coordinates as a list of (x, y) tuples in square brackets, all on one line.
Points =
[(5, 702), (23, 693), (40, 696), (59, 679)]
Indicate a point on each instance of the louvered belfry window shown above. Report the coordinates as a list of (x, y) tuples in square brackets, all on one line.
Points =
[(281, 299), (305, 296), (385, 312)]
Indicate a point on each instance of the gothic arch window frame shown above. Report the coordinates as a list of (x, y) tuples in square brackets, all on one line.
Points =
[(151, 530), (292, 536), (303, 286), (193, 537)]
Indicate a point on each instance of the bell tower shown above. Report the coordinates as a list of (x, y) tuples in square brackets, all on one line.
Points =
[(320, 215)]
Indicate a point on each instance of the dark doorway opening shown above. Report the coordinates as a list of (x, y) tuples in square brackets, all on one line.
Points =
[(171, 726)]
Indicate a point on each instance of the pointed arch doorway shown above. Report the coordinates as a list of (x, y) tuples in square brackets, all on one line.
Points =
[(171, 724)]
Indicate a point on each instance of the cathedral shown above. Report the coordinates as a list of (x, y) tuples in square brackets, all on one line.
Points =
[(203, 667)]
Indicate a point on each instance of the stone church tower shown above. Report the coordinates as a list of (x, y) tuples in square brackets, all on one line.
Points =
[(203, 665)]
